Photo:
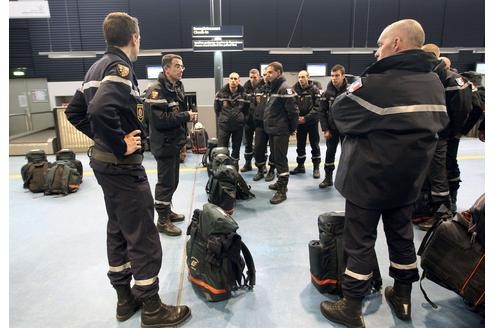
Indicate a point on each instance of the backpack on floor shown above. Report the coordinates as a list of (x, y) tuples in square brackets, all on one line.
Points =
[(62, 177), (327, 258), (221, 187), (475, 219), (206, 160), (214, 152), (69, 155), (216, 266), (199, 139), (35, 170), (454, 259)]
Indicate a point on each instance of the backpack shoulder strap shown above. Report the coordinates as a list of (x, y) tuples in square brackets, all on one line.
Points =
[(423, 276), (251, 270), (427, 237)]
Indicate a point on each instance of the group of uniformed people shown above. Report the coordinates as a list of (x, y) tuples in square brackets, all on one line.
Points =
[(388, 123)]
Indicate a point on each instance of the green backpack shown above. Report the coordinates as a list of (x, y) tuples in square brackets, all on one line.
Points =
[(216, 266), (62, 177)]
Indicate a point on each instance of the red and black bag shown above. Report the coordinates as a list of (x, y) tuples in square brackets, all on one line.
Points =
[(453, 259), (199, 139)]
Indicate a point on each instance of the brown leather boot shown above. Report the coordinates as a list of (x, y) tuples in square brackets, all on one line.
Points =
[(165, 225), (345, 311), (155, 314)]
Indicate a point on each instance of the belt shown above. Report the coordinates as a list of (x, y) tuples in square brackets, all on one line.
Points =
[(107, 157)]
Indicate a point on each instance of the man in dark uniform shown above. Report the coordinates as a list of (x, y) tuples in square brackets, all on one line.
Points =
[(231, 107), (167, 116), (390, 119), (335, 87), (444, 176), (260, 136), (251, 88), (308, 101), (279, 122), (107, 108)]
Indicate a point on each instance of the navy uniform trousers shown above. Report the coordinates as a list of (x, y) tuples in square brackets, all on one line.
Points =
[(167, 182), (133, 244), (359, 242)]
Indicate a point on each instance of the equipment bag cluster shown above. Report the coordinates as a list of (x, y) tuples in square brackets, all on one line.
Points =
[(206, 160), (216, 266), (225, 184), (199, 139), (452, 257), (63, 176), (327, 258)]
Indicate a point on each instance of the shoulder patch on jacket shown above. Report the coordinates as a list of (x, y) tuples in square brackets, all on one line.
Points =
[(154, 94), (356, 85), (460, 81), (290, 91), (122, 70)]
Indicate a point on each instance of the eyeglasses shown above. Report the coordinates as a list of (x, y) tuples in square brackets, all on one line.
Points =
[(179, 66)]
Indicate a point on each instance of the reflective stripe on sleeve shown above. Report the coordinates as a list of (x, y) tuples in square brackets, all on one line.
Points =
[(397, 109), (145, 282), (110, 78), (282, 96), (120, 268), (457, 87), (404, 266), (156, 101), (443, 193), (357, 275)]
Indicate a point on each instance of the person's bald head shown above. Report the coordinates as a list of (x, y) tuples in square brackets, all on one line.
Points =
[(433, 48), (303, 78), (447, 62), (402, 35)]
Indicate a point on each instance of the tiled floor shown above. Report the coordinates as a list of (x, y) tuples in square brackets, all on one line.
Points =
[(58, 256)]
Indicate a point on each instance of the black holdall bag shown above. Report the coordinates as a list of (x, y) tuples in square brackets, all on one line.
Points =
[(69, 155), (214, 152), (327, 258), (62, 178), (216, 265), (35, 170), (453, 258)]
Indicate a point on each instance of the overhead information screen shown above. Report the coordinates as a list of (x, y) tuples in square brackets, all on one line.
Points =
[(218, 45), (225, 31)]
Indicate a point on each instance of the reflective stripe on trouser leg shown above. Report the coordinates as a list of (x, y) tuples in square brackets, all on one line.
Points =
[(399, 232), (131, 233), (167, 182), (301, 137), (359, 241)]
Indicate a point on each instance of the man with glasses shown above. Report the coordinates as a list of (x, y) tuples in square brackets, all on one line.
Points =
[(231, 107), (167, 114)]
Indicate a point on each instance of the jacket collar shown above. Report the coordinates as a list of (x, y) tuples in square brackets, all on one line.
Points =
[(275, 84), (410, 60), (116, 51)]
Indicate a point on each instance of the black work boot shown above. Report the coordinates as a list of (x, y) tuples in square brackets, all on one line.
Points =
[(174, 217), (274, 186), (155, 314), (316, 172), (127, 304), (259, 175), (345, 311), (327, 182), (247, 167), (279, 196), (270, 175), (165, 225), (399, 299), (298, 169)]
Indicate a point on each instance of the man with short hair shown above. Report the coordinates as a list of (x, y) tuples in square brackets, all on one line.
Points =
[(308, 101), (231, 108), (167, 115), (390, 120), (336, 86), (108, 109), (252, 87), (279, 122)]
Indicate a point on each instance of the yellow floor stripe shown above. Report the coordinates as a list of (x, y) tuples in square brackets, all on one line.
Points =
[(193, 169)]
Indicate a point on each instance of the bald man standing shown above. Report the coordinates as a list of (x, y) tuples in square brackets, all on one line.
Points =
[(390, 119)]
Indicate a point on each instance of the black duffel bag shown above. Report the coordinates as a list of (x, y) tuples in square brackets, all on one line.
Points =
[(454, 259)]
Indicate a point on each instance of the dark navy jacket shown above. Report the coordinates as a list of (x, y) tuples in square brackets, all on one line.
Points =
[(280, 112), (391, 124), (108, 106)]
